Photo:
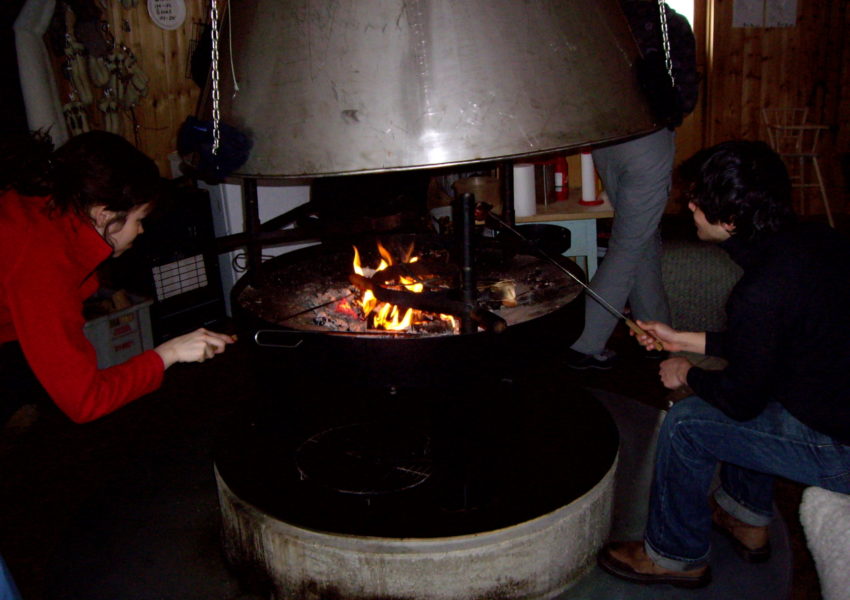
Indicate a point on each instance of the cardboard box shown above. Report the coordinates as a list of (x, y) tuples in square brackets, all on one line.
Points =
[(121, 335)]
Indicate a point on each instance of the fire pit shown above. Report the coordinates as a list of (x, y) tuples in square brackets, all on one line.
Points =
[(504, 491), (372, 87), (302, 314), (417, 461)]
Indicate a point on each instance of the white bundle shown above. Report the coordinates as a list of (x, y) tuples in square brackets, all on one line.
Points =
[(825, 517)]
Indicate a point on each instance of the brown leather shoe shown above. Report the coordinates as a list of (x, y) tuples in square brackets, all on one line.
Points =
[(629, 561), (750, 542)]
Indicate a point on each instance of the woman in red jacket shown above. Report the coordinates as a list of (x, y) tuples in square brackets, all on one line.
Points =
[(62, 213)]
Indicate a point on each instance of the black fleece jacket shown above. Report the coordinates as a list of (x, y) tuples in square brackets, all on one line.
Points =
[(788, 331)]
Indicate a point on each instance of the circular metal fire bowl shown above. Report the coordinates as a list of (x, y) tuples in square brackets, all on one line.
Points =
[(549, 317)]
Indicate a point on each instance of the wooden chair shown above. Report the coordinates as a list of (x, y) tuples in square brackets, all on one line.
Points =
[(796, 141)]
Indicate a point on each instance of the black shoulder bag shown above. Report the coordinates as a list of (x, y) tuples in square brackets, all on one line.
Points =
[(655, 75)]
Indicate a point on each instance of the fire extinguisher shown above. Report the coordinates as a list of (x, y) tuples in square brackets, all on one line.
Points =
[(562, 185)]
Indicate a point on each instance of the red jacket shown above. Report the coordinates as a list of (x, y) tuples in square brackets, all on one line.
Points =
[(47, 268)]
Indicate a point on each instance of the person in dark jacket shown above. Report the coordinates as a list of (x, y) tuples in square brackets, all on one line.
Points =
[(782, 405)]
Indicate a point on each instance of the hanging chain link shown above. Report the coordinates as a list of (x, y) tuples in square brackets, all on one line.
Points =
[(665, 40), (216, 107)]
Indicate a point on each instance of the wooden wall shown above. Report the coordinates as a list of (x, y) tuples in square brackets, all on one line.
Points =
[(164, 57), (803, 66)]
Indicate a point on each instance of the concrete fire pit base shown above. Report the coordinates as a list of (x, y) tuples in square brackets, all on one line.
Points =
[(502, 491), (536, 559)]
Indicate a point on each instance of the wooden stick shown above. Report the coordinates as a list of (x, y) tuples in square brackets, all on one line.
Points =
[(638, 331)]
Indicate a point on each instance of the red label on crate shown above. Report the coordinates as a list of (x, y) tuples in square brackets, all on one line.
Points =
[(123, 330)]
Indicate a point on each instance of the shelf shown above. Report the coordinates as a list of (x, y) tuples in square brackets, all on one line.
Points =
[(569, 210)]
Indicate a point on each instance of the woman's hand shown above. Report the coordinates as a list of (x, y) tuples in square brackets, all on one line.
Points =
[(674, 372), (196, 346)]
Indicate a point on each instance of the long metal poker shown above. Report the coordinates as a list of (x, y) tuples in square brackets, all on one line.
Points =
[(607, 305), (312, 308)]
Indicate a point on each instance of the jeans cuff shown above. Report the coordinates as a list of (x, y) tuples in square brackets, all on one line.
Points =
[(674, 564), (739, 511)]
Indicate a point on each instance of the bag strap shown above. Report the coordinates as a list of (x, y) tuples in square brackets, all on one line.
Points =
[(665, 40)]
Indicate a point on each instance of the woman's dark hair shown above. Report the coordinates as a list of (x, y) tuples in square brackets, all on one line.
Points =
[(744, 183), (91, 169)]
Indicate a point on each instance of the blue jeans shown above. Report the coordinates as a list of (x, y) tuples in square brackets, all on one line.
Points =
[(8, 590), (694, 437)]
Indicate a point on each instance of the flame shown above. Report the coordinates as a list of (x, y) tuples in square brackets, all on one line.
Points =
[(388, 316)]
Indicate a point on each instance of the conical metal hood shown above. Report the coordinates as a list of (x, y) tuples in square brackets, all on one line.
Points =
[(328, 87)]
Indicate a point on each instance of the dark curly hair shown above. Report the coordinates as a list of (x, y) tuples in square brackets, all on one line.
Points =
[(91, 169), (744, 183)]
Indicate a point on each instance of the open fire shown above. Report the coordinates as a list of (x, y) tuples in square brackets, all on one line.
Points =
[(391, 317), (401, 286)]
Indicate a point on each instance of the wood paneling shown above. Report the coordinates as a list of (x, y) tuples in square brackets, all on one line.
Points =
[(805, 65), (164, 57)]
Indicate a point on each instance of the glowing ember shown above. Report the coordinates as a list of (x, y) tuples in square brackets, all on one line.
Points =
[(389, 317), (345, 307)]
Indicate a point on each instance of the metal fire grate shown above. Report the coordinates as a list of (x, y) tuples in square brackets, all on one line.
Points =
[(366, 459)]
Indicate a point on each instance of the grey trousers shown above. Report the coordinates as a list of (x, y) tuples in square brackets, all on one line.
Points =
[(637, 176)]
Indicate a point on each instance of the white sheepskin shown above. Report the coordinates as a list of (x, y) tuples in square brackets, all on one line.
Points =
[(825, 517)]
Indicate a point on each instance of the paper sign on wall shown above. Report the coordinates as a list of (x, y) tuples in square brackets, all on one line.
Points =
[(167, 14), (764, 13)]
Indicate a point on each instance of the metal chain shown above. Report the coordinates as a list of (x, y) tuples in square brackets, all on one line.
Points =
[(665, 40), (216, 108)]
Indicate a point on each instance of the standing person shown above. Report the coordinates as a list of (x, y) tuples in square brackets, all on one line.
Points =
[(782, 405), (62, 213), (637, 176)]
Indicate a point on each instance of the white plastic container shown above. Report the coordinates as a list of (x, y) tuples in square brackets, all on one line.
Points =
[(121, 335)]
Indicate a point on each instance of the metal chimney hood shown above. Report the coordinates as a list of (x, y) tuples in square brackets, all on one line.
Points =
[(332, 87)]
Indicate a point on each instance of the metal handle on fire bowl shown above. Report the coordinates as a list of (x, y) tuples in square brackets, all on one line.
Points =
[(276, 332)]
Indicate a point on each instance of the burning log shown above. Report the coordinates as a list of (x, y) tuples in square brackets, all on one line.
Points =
[(434, 302)]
